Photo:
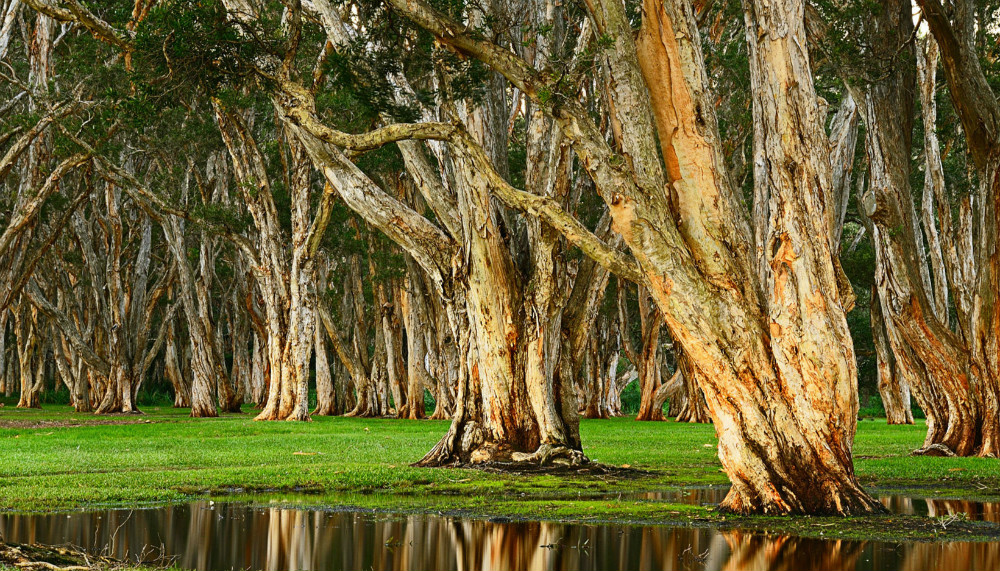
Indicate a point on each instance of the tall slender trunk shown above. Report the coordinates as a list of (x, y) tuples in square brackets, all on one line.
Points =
[(204, 366), (892, 385), (976, 429), (943, 369), (172, 370), (693, 408)]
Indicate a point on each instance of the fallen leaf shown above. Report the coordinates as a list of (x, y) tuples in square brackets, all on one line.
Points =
[(626, 465)]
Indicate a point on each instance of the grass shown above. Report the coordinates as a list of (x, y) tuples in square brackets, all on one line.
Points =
[(58, 459)]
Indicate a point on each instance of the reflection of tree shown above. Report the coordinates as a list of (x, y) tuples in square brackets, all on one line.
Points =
[(974, 510), (224, 536), (951, 555), (777, 552)]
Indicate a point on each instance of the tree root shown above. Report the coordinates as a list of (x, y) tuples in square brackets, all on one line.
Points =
[(933, 450), (38, 557), (551, 454)]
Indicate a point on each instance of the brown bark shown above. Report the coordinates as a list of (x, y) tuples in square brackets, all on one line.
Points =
[(172, 370), (647, 359), (955, 31), (943, 369), (694, 408), (327, 403), (892, 386)]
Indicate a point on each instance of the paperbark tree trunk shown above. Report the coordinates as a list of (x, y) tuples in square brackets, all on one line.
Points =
[(976, 105), (693, 408), (953, 390), (417, 335), (892, 386), (26, 324), (204, 367), (648, 359), (172, 370), (327, 402)]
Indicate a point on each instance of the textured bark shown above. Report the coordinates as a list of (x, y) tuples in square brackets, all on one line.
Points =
[(418, 333), (327, 403), (892, 386), (955, 31), (953, 389), (172, 370), (515, 405), (647, 359), (693, 408), (285, 276), (28, 339), (204, 366)]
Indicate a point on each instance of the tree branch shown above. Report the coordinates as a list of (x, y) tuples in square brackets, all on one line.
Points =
[(66, 325), (76, 12)]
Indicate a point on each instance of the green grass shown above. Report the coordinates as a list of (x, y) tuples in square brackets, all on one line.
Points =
[(165, 456)]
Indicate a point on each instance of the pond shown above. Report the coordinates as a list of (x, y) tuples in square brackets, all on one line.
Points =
[(219, 536)]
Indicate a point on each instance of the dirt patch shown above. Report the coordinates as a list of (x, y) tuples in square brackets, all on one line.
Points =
[(72, 422), (588, 469)]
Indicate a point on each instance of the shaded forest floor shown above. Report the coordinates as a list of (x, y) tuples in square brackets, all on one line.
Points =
[(57, 459)]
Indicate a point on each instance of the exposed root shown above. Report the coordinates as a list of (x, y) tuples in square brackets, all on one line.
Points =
[(847, 500), (38, 557), (933, 450), (551, 454)]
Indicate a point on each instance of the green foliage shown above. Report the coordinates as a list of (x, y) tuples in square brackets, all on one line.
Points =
[(233, 219), (191, 47)]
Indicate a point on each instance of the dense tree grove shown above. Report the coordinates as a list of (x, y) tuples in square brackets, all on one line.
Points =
[(760, 214)]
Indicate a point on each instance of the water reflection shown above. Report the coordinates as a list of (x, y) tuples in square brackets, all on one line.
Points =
[(978, 511), (214, 537)]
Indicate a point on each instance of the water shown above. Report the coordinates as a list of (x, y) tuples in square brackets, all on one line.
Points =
[(220, 536)]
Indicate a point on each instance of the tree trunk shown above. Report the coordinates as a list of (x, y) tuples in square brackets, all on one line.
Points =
[(327, 401), (944, 370), (417, 334), (326, 396), (892, 386), (203, 362), (173, 372), (25, 324), (976, 430), (693, 408)]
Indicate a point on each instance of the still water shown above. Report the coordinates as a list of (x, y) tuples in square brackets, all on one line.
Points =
[(221, 536)]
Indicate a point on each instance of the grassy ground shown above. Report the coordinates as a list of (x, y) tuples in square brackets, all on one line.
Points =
[(57, 459)]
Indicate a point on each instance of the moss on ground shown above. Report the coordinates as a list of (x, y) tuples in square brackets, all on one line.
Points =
[(57, 459)]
